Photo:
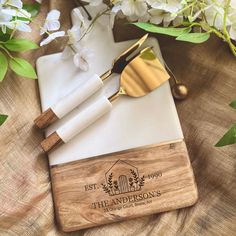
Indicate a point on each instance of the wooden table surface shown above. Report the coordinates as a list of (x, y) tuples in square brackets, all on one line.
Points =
[(208, 69)]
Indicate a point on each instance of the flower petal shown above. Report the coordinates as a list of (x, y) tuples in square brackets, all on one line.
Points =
[(18, 13), (51, 37), (84, 65), (15, 3), (76, 60), (53, 25), (74, 34), (53, 15), (23, 27)]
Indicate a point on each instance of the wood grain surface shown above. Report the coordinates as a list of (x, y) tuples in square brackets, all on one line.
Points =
[(45, 119), (208, 69), (51, 142), (123, 186)]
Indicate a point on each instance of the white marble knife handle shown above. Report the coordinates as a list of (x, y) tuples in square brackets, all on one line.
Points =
[(77, 124), (69, 102)]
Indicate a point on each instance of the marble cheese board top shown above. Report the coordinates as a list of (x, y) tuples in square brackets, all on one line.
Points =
[(132, 123)]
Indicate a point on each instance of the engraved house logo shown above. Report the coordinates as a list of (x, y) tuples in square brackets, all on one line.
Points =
[(121, 178)]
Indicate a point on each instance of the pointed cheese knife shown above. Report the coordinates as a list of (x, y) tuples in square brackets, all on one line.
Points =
[(141, 76)]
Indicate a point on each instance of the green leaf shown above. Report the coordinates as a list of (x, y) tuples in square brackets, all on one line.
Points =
[(171, 31), (22, 67), (228, 138), (20, 45), (3, 66), (6, 36), (233, 104), (33, 9), (20, 18), (194, 37), (3, 118)]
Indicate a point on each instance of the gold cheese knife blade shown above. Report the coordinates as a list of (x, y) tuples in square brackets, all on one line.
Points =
[(142, 75)]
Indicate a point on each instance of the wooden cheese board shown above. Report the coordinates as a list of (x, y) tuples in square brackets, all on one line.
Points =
[(123, 186), (131, 162)]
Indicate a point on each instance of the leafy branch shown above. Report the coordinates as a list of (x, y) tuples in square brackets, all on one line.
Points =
[(10, 45), (142, 180), (192, 29), (230, 136), (135, 176), (110, 182), (3, 118), (19, 65), (106, 189)]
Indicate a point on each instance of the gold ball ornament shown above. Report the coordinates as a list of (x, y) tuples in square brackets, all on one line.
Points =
[(180, 91)]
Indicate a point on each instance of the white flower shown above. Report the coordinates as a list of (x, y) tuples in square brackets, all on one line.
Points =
[(18, 25), (215, 16), (16, 13), (159, 16), (165, 11), (94, 2), (52, 22), (74, 49), (232, 30), (82, 57), (145, 18), (172, 6), (4, 16), (15, 3), (74, 37), (74, 34), (134, 8), (10, 11), (51, 37)]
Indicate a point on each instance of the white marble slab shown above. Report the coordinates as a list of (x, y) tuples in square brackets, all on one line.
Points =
[(133, 122)]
